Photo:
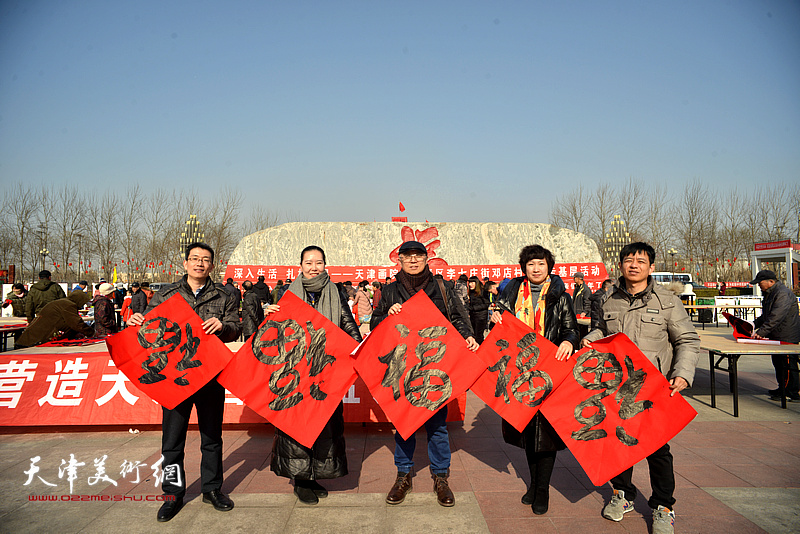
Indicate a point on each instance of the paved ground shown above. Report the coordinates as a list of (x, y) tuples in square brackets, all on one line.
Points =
[(734, 475)]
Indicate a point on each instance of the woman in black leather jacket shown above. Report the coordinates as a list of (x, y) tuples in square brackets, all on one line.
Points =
[(327, 458), (540, 300), (478, 305)]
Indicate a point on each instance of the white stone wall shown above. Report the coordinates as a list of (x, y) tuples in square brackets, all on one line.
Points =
[(353, 243)]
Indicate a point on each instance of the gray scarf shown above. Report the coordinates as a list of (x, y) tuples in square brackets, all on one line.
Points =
[(329, 303)]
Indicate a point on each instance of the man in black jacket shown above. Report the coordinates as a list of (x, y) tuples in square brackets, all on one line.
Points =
[(413, 277), (220, 314), (252, 311), (779, 321), (138, 299), (262, 290), (580, 296)]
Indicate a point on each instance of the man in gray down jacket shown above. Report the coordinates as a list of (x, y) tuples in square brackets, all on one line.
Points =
[(655, 320), (779, 321)]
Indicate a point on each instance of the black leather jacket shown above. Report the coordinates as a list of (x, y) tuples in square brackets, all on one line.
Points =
[(560, 324), (779, 319), (210, 302), (455, 312)]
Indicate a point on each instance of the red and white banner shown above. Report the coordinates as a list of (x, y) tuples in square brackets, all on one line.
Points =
[(595, 273), (786, 243), (521, 371), (294, 370), (615, 409), (415, 362)]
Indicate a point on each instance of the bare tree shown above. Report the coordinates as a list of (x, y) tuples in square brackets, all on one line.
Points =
[(22, 204), (222, 217), (603, 207), (570, 210), (657, 227), (632, 206), (103, 230), (130, 213), (258, 218), (68, 221)]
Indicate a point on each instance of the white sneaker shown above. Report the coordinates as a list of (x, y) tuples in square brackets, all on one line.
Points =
[(617, 507), (663, 520)]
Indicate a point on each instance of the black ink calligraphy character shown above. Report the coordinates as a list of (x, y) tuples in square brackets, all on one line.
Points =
[(283, 381), (606, 363), (189, 350), (626, 395), (500, 366), (395, 362), (167, 337), (423, 393), (317, 359)]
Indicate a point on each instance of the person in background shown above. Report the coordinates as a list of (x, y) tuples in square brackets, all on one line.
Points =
[(580, 296), (40, 293), (361, 301), (125, 311), (58, 316), (478, 306), (262, 290), (105, 319), (779, 321), (540, 300), (16, 299), (327, 458), (376, 294), (148, 293), (252, 311)]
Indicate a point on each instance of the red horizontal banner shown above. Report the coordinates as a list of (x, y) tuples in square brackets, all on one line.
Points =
[(786, 243), (594, 273), (45, 386)]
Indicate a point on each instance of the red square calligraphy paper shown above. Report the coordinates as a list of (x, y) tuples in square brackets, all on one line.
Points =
[(521, 371), (415, 362), (615, 409), (169, 357), (294, 370)]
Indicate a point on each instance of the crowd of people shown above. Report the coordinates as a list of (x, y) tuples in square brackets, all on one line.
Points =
[(648, 313)]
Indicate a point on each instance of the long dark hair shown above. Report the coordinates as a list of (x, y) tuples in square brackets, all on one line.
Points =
[(478, 291), (309, 249)]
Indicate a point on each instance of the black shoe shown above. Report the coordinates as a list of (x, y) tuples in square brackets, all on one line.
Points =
[(527, 499), (774, 392), (169, 510), (541, 501), (304, 493), (318, 490), (793, 398), (219, 500)]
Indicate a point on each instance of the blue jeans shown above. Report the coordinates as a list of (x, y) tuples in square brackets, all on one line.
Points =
[(438, 446)]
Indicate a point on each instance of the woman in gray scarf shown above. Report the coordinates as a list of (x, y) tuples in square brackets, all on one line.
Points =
[(327, 458)]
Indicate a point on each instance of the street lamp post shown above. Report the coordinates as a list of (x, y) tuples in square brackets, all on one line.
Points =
[(44, 252), (672, 253), (80, 263)]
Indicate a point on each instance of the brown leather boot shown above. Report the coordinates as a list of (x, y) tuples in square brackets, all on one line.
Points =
[(402, 485), (444, 494)]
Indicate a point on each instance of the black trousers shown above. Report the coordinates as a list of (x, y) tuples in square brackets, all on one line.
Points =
[(786, 372), (210, 403), (662, 479)]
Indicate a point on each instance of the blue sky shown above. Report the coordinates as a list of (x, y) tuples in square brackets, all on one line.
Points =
[(462, 110)]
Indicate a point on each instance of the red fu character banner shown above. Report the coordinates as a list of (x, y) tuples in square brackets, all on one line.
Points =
[(414, 363), (615, 409), (521, 371), (294, 370), (169, 357)]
